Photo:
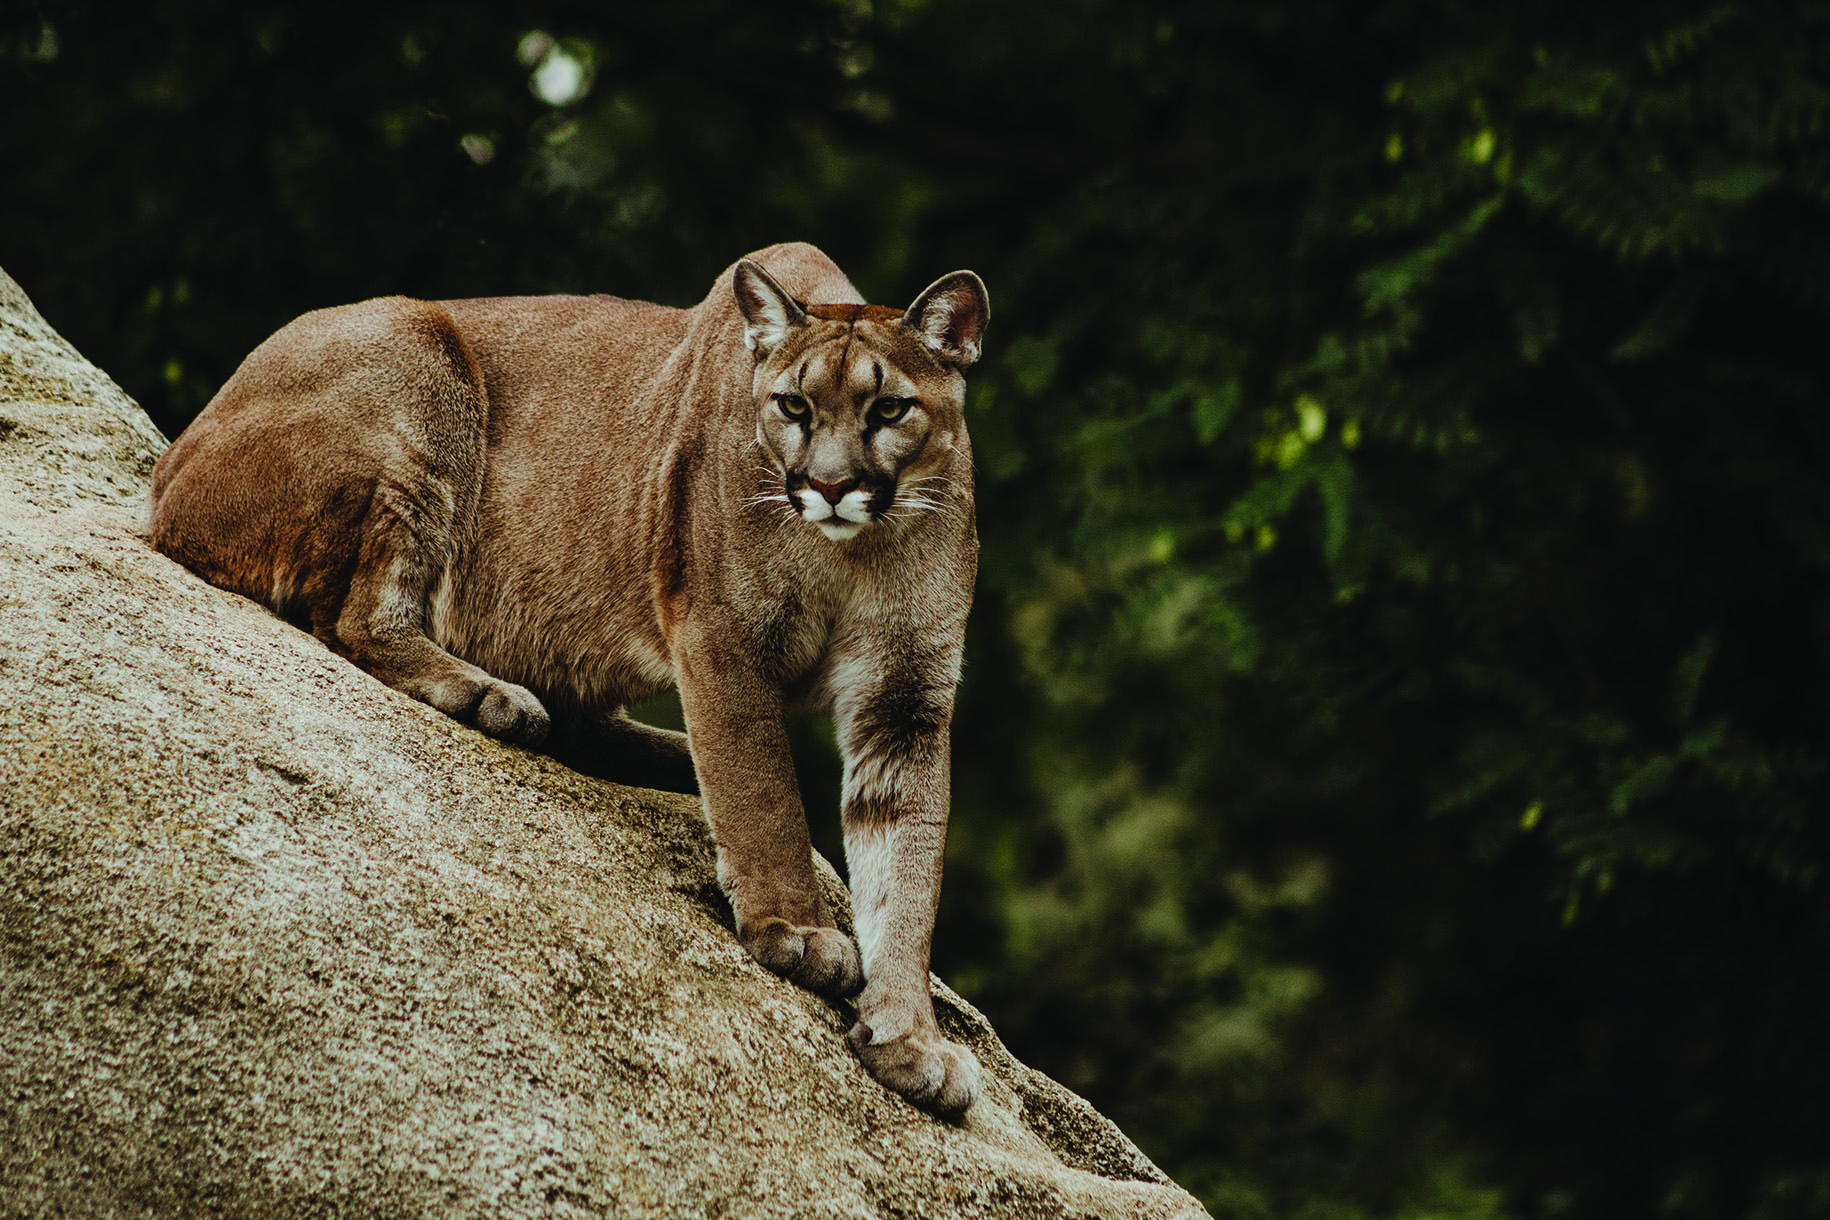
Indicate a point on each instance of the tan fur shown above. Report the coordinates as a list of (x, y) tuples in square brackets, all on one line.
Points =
[(532, 512)]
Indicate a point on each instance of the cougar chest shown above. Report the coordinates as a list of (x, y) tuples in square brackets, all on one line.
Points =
[(813, 632)]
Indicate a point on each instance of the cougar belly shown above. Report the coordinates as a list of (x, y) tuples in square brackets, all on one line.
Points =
[(550, 603), (551, 613), (570, 657)]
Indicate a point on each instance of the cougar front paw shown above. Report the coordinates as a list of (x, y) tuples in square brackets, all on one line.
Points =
[(922, 1066), (820, 959), (511, 713)]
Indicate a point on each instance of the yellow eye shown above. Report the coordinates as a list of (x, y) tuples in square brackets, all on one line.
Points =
[(793, 405), (890, 410)]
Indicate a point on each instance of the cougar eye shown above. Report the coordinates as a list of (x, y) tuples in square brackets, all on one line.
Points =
[(793, 405), (891, 409)]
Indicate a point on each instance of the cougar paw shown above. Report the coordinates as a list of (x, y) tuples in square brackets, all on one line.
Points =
[(823, 960), (512, 714), (923, 1067)]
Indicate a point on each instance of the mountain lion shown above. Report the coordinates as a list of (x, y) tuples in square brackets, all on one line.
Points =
[(532, 512)]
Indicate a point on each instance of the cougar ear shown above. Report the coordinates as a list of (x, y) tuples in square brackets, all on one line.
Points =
[(950, 317), (769, 313)]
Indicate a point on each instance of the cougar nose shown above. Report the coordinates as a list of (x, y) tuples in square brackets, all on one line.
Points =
[(834, 492)]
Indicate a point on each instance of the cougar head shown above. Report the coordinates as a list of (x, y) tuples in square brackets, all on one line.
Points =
[(859, 406)]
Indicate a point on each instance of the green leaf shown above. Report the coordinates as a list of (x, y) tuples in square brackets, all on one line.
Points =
[(1736, 185), (1213, 409)]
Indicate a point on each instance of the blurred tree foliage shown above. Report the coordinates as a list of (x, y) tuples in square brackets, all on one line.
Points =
[(1392, 766)]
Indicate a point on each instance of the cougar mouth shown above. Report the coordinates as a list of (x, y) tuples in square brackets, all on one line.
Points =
[(839, 509)]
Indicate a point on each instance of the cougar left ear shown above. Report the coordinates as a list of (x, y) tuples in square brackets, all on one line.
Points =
[(950, 317), (769, 313)]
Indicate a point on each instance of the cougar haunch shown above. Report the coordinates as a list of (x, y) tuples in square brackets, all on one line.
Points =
[(532, 512)]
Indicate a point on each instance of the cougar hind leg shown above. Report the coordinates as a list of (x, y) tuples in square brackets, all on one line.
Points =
[(336, 478), (382, 625)]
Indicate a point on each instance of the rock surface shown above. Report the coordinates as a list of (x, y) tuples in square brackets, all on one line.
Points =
[(277, 941)]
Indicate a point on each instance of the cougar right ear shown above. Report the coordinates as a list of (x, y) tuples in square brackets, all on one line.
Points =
[(769, 313)]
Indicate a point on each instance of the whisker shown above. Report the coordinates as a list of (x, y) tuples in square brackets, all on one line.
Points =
[(930, 491), (911, 511), (926, 504)]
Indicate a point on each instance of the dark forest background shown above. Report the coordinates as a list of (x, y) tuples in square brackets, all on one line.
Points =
[(1392, 763)]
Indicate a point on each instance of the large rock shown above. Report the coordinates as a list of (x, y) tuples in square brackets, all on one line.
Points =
[(276, 940)]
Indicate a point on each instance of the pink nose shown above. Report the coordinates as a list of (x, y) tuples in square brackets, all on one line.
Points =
[(834, 492)]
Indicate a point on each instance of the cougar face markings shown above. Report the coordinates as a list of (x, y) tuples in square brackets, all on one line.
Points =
[(848, 426), (832, 478), (531, 512)]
